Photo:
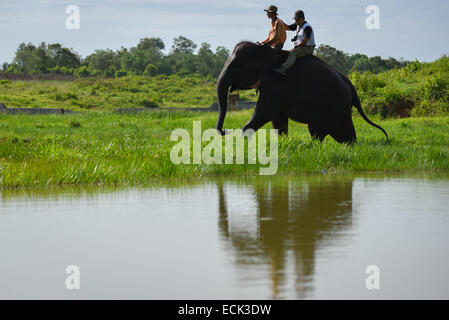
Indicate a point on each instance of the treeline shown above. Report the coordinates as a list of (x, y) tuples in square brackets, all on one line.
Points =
[(148, 58), (348, 63)]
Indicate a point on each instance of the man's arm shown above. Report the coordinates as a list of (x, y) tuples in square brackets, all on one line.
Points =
[(307, 32), (291, 27)]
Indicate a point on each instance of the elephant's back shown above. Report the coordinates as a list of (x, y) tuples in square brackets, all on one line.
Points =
[(322, 88), (319, 77)]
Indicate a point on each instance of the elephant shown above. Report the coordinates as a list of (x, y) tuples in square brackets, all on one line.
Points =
[(313, 92)]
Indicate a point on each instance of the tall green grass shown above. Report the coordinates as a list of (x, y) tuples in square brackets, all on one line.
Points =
[(111, 149)]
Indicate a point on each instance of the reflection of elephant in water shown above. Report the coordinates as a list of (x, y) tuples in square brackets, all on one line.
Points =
[(313, 92), (292, 217)]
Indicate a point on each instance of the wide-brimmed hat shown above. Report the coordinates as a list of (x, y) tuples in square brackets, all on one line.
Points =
[(272, 8)]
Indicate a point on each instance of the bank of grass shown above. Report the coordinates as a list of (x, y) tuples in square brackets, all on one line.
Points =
[(106, 94), (111, 149)]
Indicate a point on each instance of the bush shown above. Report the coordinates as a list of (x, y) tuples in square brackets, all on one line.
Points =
[(110, 72), (82, 72), (430, 108), (436, 88), (120, 73), (150, 70), (413, 67), (366, 83), (12, 69), (147, 103)]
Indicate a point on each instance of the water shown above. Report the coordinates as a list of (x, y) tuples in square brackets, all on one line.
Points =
[(304, 237)]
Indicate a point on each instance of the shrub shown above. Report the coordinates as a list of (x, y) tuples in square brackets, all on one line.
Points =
[(147, 103), (366, 83), (120, 73), (110, 71), (82, 72), (435, 88), (414, 66), (150, 70), (431, 108)]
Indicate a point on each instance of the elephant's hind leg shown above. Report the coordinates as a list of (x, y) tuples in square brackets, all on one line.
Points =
[(281, 123), (345, 133), (317, 132)]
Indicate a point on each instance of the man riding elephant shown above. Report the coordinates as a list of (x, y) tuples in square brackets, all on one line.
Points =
[(277, 36), (304, 42)]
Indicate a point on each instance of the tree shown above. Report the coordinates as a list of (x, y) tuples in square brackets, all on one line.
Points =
[(221, 55), (363, 64), (205, 59), (26, 58), (101, 60), (136, 59), (63, 57), (183, 45), (336, 58), (43, 58), (151, 44), (5, 66)]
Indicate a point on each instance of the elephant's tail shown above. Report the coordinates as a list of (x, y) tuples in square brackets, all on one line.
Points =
[(356, 102)]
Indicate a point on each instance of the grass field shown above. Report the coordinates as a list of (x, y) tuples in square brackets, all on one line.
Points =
[(106, 94), (112, 149)]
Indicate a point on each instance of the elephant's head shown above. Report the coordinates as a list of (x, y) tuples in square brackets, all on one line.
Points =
[(242, 71)]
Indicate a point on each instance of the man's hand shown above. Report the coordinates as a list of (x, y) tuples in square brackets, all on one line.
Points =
[(302, 43)]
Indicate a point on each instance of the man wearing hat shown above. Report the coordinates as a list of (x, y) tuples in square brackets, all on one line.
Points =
[(277, 35), (304, 41)]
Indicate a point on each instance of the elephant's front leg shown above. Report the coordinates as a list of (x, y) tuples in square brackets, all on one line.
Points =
[(267, 109)]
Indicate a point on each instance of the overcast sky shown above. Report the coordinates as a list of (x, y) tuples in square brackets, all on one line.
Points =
[(408, 28)]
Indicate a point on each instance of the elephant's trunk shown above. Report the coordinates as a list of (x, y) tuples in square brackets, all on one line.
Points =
[(222, 94)]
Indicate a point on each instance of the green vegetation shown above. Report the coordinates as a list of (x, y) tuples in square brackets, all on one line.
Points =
[(112, 149), (100, 94), (419, 89), (347, 63), (147, 58), (97, 146)]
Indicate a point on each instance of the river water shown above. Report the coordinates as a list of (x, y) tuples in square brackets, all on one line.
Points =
[(298, 237)]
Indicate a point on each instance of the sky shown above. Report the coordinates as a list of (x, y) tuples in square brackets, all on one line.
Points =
[(408, 29)]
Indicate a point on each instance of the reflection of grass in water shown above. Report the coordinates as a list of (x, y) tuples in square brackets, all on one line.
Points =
[(111, 149)]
